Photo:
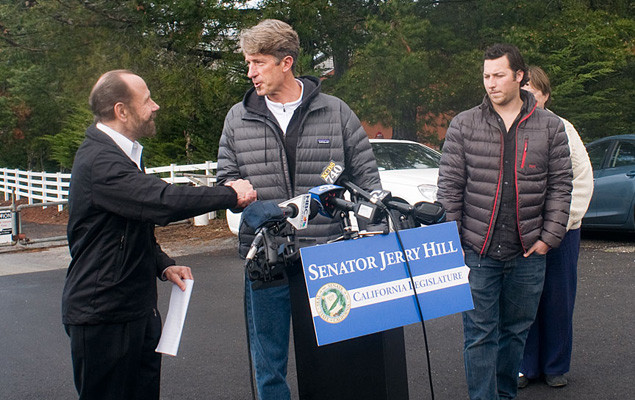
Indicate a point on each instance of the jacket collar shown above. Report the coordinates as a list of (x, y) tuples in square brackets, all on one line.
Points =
[(529, 103), (93, 133), (256, 104)]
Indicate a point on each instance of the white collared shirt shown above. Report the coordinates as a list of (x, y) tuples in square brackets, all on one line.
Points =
[(284, 112), (130, 148)]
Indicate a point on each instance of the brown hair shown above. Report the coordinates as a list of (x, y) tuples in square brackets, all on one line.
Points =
[(109, 90), (539, 80), (516, 62), (271, 37)]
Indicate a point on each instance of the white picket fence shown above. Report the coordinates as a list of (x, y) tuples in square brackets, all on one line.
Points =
[(43, 187)]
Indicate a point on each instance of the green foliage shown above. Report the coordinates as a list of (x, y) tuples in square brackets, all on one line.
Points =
[(398, 62), (421, 59), (64, 144), (52, 52), (391, 77), (588, 55)]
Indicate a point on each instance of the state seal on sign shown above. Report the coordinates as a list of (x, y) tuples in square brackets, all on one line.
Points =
[(333, 303)]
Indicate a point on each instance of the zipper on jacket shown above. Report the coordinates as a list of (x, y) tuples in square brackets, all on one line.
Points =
[(498, 186), (520, 234), (522, 163)]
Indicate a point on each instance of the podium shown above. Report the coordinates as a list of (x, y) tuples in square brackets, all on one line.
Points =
[(354, 297), (367, 367)]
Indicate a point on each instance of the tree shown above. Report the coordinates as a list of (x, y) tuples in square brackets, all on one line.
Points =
[(589, 56), (328, 29), (398, 62), (52, 53)]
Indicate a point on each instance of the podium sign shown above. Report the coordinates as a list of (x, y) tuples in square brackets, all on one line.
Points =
[(358, 287), (6, 226)]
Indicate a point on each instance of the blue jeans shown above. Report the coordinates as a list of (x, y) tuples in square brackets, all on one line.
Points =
[(506, 296), (268, 313)]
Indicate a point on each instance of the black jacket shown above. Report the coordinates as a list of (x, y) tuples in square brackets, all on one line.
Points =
[(113, 208)]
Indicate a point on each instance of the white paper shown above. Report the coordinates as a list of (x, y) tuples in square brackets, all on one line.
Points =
[(173, 327)]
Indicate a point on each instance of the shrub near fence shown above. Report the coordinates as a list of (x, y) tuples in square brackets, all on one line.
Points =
[(43, 187)]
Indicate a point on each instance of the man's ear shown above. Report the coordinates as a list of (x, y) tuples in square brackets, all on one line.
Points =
[(287, 63), (520, 75), (121, 113)]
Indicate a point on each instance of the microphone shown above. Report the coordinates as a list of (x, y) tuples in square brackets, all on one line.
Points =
[(253, 249), (261, 215), (299, 210), (333, 172), (330, 198), (427, 213), (326, 196), (423, 212)]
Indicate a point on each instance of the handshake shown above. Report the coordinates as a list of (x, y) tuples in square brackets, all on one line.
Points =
[(245, 193)]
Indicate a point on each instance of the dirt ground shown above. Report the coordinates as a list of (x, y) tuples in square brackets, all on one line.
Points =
[(216, 229)]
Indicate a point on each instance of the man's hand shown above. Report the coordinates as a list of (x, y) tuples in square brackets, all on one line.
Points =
[(539, 247), (176, 274), (244, 191)]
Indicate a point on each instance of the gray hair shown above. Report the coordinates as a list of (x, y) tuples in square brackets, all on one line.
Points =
[(271, 37)]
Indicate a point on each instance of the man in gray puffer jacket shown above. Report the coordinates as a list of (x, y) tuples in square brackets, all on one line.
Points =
[(280, 137), (505, 178)]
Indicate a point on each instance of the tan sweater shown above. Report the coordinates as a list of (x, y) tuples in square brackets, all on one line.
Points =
[(582, 177)]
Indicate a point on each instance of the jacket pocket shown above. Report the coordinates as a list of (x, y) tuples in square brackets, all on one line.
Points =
[(524, 158), (118, 266)]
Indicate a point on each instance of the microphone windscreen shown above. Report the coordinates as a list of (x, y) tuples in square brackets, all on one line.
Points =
[(314, 208), (429, 213), (260, 213)]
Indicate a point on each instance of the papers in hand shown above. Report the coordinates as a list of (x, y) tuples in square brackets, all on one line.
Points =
[(173, 327)]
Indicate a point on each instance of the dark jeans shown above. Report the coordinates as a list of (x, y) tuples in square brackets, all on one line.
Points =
[(117, 361), (506, 296), (548, 346)]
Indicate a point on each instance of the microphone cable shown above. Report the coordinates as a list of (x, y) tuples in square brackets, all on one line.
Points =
[(414, 289), (248, 334)]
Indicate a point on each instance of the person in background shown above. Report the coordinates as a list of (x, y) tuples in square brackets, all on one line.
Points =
[(109, 303), (549, 343), (505, 178)]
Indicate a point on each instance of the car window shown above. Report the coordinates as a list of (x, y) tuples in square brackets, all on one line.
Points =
[(624, 155), (404, 156), (597, 152)]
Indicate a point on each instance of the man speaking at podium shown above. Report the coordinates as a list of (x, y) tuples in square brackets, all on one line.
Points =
[(280, 138), (109, 304)]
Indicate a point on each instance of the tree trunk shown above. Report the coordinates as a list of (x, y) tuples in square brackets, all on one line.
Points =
[(406, 128), (340, 62)]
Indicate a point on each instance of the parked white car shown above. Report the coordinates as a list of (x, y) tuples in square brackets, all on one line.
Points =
[(407, 169)]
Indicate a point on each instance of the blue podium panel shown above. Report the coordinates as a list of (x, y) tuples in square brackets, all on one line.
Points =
[(358, 287)]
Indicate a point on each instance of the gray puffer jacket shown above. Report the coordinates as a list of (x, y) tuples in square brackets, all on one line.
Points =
[(471, 171), (252, 147)]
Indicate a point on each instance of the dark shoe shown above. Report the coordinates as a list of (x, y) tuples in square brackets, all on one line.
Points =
[(523, 382), (556, 381)]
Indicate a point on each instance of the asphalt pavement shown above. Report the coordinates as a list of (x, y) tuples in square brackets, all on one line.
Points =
[(212, 360)]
